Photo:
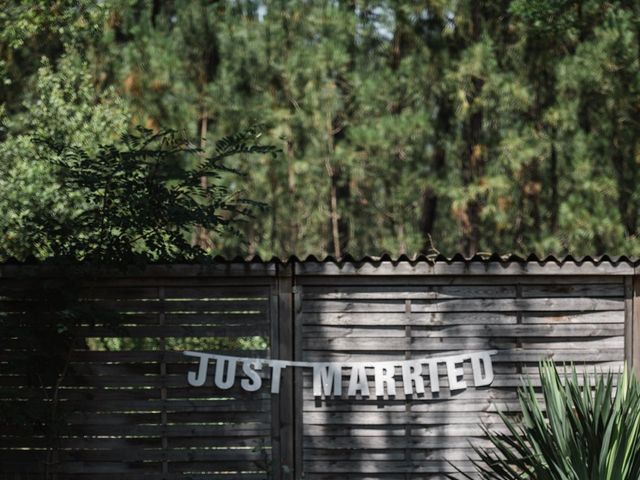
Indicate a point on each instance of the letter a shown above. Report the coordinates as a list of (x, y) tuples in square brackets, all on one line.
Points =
[(358, 381)]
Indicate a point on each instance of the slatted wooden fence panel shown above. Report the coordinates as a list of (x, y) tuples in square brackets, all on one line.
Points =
[(133, 415), (130, 412), (358, 318)]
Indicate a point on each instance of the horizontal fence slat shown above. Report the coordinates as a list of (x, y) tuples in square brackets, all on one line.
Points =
[(501, 330), (471, 305)]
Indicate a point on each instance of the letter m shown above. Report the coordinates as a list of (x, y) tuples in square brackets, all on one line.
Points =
[(327, 380)]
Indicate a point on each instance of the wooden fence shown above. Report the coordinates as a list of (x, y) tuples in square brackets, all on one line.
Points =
[(130, 413)]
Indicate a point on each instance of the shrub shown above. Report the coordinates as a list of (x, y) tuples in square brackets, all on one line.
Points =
[(141, 198), (588, 427)]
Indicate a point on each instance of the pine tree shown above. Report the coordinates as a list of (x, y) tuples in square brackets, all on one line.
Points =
[(469, 127)]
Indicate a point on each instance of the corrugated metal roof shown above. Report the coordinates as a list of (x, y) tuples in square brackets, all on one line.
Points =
[(488, 258), (416, 259)]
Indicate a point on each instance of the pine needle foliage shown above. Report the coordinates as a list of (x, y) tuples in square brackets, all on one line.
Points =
[(141, 198), (576, 433)]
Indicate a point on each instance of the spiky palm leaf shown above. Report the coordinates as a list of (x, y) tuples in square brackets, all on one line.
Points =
[(576, 433)]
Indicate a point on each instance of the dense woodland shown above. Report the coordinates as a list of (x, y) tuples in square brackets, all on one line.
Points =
[(405, 127)]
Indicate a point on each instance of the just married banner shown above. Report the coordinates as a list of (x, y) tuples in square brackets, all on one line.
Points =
[(416, 374)]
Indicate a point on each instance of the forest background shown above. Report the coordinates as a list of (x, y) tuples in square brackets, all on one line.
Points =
[(404, 127)]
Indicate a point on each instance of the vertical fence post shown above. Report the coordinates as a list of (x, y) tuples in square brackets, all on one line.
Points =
[(163, 388), (632, 330), (298, 378), (274, 352), (284, 466)]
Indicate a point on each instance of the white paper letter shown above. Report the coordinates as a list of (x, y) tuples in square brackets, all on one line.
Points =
[(477, 360), (358, 381), (384, 376), (198, 379), (276, 368), (327, 379), (454, 373), (412, 373), (254, 382), (231, 373)]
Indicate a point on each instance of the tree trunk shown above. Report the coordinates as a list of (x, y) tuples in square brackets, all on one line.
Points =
[(553, 180), (294, 227), (472, 170), (201, 235), (340, 191), (430, 202), (335, 243), (474, 150), (626, 207), (429, 196), (274, 209)]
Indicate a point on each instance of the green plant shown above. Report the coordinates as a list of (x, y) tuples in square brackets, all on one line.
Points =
[(587, 429), (141, 199)]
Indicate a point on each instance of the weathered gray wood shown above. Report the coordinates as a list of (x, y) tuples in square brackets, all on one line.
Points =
[(397, 418), (558, 318), (416, 467), (454, 318), (393, 454), (285, 468), (438, 344), (402, 319), (575, 290), (259, 328), (634, 330), (436, 292), (298, 386), (521, 330), (403, 292), (148, 271), (393, 431), (414, 442), (461, 405), (100, 291), (127, 455), (146, 475), (274, 323), (501, 381), (356, 320), (245, 319), (163, 374), (472, 305), (138, 418), (505, 355), (117, 409)]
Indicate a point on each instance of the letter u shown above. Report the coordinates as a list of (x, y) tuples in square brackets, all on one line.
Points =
[(220, 381)]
